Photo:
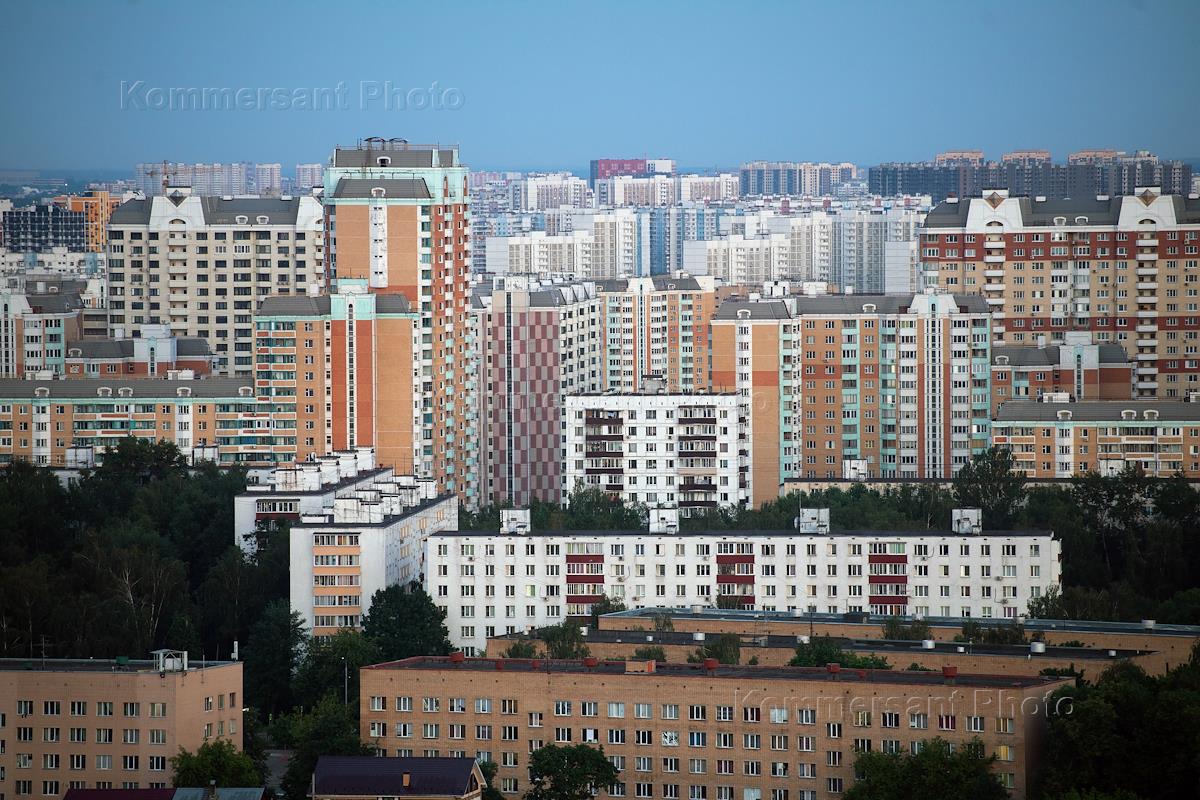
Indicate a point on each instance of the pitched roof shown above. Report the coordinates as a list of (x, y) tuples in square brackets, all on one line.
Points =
[(394, 188), (294, 306), (384, 777), (1098, 411), (1019, 356)]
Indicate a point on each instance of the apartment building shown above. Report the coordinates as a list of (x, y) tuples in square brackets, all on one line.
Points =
[(158, 354), (540, 254), (680, 450), (792, 178), (856, 386), (308, 487), (707, 188), (671, 227), (343, 369), (72, 422), (110, 724), (97, 208), (34, 331), (57, 260), (601, 168), (369, 778), (620, 245), (538, 342), (398, 223), (657, 328), (1123, 269), (370, 538), (515, 579), (1076, 368), (740, 732), (555, 190), (200, 265), (628, 190), (268, 180), (739, 260), (43, 227), (207, 180), (1065, 439), (309, 176)]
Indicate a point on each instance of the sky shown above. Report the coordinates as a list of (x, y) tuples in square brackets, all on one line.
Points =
[(529, 85)]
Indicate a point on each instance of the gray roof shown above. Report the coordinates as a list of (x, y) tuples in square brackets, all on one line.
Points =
[(746, 533), (1049, 356), (123, 348), (395, 188), (370, 776), (417, 156), (840, 304), (305, 306), (15, 389), (54, 303), (662, 283), (217, 211), (761, 309), (1098, 410), (953, 214)]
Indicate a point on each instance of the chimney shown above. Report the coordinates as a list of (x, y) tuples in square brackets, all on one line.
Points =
[(406, 780)]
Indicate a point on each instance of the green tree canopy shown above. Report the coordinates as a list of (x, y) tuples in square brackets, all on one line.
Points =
[(569, 772), (563, 641), (330, 729), (724, 647), (822, 650), (521, 648), (937, 772), (330, 666), (650, 653), (404, 622), (273, 652), (605, 605), (217, 760), (988, 482)]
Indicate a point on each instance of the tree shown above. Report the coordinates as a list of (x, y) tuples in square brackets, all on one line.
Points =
[(895, 630), (730, 602), (217, 761), (404, 622), (974, 631), (521, 648), (725, 648), (272, 654), (650, 653), (662, 621), (934, 772), (822, 650), (330, 666), (566, 772), (988, 482), (563, 641), (329, 729), (490, 792), (605, 605)]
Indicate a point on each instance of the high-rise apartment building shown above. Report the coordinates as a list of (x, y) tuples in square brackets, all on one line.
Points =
[(1077, 369), (44, 227), (343, 371), (790, 178), (268, 180), (539, 192), (1123, 270), (856, 386), (34, 331), (205, 180), (309, 176), (97, 208), (1060, 439), (707, 188), (200, 265), (110, 724), (680, 450), (627, 190), (602, 168), (398, 223), (701, 730), (537, 343), (539, 254), (657, 328)]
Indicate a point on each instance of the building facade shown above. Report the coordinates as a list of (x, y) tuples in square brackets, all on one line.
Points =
[(200, 266), (856, 386), (102, 724), (1067, 439), (1078, 369), (538, 343), (679, 450), (515, 579), (398, 223), (1123, 270), (699, 730), (44, 227)]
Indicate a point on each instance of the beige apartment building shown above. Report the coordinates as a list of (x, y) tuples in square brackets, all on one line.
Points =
[(1123, 270), (699, 731), (101, 724), (200, 265)]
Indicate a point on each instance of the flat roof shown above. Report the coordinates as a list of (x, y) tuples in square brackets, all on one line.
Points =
[(130, 666), (387, 520), (644, 638), (746, 534), (261, 490), (683, 671), (875, 620)]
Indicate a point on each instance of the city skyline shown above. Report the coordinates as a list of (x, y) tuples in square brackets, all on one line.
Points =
[(703, 111)]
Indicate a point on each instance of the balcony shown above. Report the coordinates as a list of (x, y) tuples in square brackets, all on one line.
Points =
[(994, 245), (993, 258), (1147, 342), (1146, 314), (1143, 271), (1147, 329), (993, 273), (1148, 286), (1150, 241), (993, 287), (995, 301), (1147, 356), (1147, 256), (1147, 384)]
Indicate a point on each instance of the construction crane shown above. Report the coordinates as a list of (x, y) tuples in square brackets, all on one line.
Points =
[(164, 172)]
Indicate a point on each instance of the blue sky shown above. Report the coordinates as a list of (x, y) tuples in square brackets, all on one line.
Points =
[(553, 84)]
